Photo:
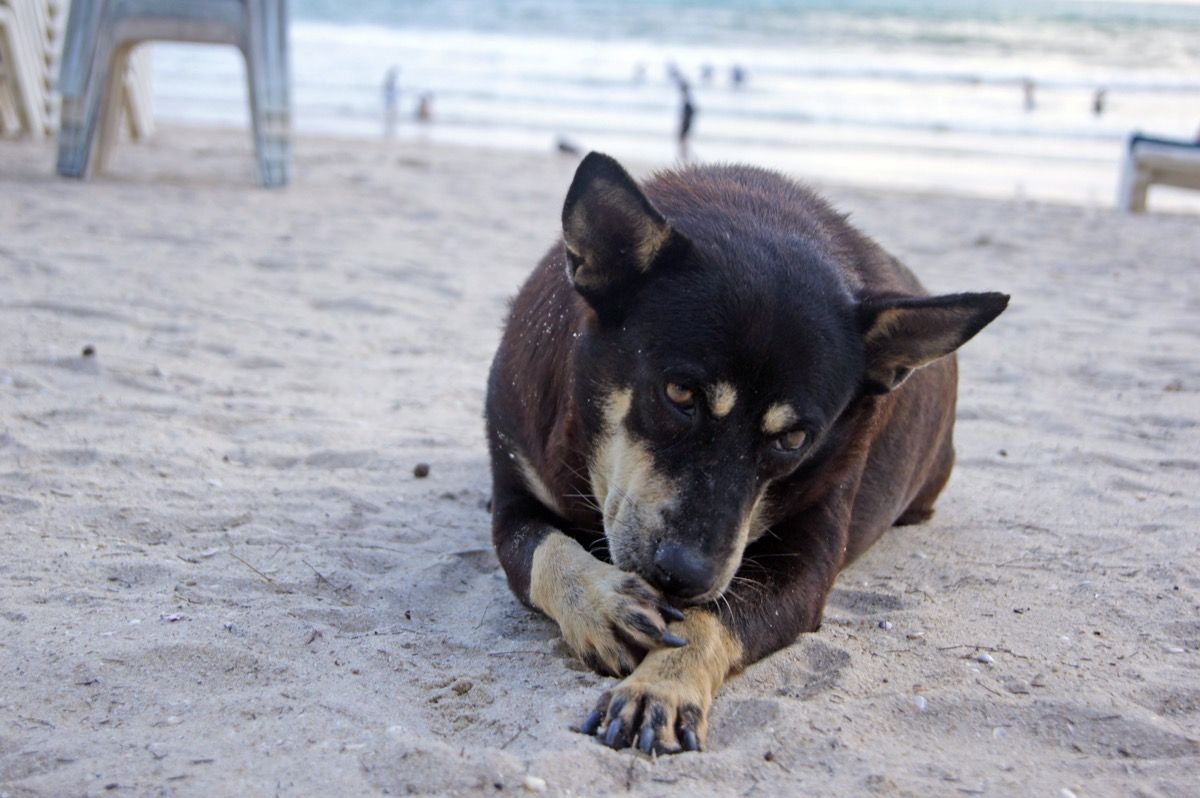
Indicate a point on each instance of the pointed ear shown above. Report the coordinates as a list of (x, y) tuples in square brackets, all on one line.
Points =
[(902, 334), (612, 232)]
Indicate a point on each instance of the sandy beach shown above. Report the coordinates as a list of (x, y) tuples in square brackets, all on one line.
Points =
[(220, 575)]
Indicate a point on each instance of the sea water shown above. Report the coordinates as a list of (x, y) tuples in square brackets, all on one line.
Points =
[(924, 94)]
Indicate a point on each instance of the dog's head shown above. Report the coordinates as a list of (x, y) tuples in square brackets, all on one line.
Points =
[(723, 353)]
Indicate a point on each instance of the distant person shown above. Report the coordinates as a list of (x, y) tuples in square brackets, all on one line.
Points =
[(687, 112), (737, 76), (425, 107), (391, 101), (673, 73), (706, 74), (1098, 101), (1027, 88), (568, 147)]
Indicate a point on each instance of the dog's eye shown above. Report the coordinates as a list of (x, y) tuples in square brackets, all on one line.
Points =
[(791, 441), (680, 396)]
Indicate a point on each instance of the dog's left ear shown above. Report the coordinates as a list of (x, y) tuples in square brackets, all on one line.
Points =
[(612, 232), (902, 334)]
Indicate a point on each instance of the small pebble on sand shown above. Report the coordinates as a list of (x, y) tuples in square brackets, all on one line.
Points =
[(421, 470), (885, 626), (985, 658), (534, 784), (88, 351), (920, 703)]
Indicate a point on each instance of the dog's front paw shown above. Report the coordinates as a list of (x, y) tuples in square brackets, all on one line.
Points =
[(663, 706), (663, 716), (616, 619)]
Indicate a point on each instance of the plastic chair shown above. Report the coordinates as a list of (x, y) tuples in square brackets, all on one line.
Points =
[(1150, 160), (100, 35), (22, 43)]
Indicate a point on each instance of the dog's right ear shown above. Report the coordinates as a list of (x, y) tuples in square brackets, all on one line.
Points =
[(612, 232)]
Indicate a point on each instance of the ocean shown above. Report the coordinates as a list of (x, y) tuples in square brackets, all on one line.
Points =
[(924, 94)]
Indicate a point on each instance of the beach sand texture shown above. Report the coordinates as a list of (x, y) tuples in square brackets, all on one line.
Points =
[(221, 577)]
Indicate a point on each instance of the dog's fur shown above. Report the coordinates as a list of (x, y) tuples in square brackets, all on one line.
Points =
[(713, 394)]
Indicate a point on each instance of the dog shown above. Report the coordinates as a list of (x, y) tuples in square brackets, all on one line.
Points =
[(710, 396)]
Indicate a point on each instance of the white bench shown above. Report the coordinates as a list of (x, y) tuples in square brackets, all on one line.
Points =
[(1150, 160)]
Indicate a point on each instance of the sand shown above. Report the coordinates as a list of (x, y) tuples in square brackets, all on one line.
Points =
[(220, 575)]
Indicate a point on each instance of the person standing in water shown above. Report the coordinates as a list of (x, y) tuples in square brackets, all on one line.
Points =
[(425, 107), (391, 101), (687, 111)]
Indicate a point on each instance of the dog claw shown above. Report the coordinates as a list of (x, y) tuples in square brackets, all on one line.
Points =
[(673, 640), (672, 613), (614, 733), (646, 740), (592, 722), (690, 743)]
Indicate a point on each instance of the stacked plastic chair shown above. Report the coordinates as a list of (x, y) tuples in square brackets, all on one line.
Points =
[(100, 37), (23, 37)]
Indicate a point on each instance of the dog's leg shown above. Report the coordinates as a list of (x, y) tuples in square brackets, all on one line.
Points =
[(608, 618), (663, 705)]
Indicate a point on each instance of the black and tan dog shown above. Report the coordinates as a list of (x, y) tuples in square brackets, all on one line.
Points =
[(712, 395)]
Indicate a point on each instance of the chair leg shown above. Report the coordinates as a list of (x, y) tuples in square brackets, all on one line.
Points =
[(112, 110), (10, 123), (83, 82), (266, 50)]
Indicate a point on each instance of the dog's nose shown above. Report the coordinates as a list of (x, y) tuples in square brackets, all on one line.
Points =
[(682, 571)]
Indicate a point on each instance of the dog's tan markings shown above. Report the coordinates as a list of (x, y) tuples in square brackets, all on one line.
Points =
[(752, 527), (631, 492), (883, 324), (721, 398), (778, 417), (616, 407), (759, 520), (595, 605), (673, 689), (536, 486)]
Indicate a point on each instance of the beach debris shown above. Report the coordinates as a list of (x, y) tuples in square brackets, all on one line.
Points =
[(535, 784), (421, 470), (985, 658), (88, 351), (173, 617), (1066, 793), (885, 626), (920, 703)]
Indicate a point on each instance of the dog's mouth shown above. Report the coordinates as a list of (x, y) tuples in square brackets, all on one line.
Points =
[(679, 585)]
